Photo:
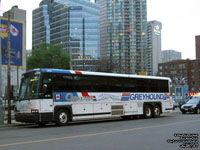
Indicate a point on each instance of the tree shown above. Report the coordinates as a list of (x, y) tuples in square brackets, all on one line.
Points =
[(48, 56), (105, 65)]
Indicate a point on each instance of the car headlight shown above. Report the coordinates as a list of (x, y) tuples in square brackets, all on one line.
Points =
[(194, 106)]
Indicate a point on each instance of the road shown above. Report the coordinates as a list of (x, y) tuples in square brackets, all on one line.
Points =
[(117, 134)]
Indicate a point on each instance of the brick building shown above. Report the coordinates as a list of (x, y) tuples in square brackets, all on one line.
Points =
[(182, 71), (197, 41)]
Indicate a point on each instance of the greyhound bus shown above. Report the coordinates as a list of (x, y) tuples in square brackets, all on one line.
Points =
[(62, 96)]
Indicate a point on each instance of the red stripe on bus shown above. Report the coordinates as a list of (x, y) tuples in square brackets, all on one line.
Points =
[(85, 94), (78, 72), (126, 94)]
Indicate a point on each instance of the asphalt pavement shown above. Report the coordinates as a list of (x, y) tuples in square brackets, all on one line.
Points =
[(165, 132)]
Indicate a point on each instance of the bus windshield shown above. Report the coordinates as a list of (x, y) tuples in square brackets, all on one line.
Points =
[(29, 86)]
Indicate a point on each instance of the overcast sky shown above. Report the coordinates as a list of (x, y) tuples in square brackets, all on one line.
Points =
[(180, 22)]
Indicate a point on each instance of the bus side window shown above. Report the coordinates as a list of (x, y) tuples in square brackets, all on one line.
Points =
[(63, 83), (82, 83)]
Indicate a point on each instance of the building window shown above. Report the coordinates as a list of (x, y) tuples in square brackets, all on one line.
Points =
[(173, 72), (181, 66), (160, 67), (193, 89), (181, 71), (172, 66)]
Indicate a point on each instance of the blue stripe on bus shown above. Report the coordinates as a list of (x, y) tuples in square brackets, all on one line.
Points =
[(125, 98), (56, 71)]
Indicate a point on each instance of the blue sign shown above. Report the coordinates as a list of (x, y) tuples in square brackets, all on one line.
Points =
[(186, 91), (16, 42)]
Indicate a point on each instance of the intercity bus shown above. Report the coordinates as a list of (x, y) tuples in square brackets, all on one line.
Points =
[(62, 96)]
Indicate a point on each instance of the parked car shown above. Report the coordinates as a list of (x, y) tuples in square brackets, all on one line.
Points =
[(193, 105), (175, 104)]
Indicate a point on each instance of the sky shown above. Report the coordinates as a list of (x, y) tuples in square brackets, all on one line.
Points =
[(180, 22)]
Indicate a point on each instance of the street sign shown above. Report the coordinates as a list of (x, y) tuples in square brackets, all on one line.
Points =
[(16, 40)]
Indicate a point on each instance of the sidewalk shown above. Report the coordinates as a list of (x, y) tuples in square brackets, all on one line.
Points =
[(13, 123)]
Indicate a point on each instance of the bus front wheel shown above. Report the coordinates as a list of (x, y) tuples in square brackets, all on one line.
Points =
[(148, 111), (62, 117)]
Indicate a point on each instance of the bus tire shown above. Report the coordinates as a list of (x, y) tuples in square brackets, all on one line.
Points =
[(156, 111), (62, 117), (148, 113)]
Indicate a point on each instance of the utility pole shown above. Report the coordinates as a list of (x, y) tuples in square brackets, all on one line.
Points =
[(8, 73), (1, 99)]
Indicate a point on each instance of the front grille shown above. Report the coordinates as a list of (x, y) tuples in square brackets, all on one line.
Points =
[(187, 107)]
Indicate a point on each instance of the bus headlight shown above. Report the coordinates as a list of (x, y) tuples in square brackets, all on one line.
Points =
[(34, 110)]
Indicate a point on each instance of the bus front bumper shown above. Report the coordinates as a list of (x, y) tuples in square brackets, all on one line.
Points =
[(34, 117)]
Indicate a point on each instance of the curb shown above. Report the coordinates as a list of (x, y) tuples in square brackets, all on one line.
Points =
[(13, 123)]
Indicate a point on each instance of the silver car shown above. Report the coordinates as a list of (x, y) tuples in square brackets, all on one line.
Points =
[(193, 105)]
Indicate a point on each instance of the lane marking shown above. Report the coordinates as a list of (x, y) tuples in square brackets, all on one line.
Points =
[(95, 134)]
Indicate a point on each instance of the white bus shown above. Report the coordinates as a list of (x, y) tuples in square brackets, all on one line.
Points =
[(62, 96)]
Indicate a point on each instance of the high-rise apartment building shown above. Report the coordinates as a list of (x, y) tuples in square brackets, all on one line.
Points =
[(123, 35), (153, 46), (170, 55), (73, 24), (17, 49)]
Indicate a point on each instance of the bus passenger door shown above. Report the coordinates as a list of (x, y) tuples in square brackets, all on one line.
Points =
[(46, 95)]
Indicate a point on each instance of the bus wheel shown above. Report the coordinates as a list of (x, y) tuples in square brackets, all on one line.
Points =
[(148, 111), (62, 117), (156, 111)]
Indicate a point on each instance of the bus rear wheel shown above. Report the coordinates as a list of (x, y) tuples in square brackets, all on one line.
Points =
[(156, 111), (62, 118), (148, 113)]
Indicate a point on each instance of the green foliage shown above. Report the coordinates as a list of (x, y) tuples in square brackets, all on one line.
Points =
[(48, 56)]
